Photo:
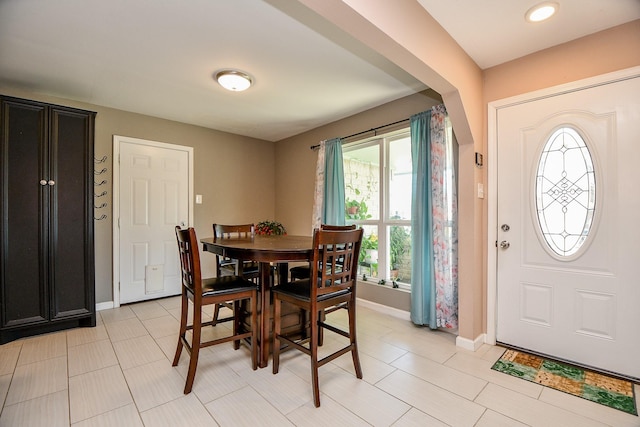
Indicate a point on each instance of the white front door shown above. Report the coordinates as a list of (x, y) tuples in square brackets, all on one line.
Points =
[(568, 238), (153, 196)]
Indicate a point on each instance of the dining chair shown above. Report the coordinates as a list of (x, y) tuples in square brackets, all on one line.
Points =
[(334, 270), (303, 271), (206, 292), (226, 266)]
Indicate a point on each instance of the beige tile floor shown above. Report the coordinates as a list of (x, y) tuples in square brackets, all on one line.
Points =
[(119, 374)]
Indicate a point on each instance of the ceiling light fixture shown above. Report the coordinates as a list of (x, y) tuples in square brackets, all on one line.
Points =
[(541, 12), (233, 80)]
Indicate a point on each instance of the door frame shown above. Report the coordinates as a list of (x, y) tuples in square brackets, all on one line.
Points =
[(492, 175), (117, 140)]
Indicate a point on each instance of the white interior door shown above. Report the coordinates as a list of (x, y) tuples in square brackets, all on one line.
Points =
[(568, 266), (153, 196)]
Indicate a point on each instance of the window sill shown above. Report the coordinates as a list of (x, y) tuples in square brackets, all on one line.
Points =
[(384, 295)]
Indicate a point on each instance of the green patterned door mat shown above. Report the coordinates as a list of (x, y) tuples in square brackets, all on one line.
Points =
[(599, 388)]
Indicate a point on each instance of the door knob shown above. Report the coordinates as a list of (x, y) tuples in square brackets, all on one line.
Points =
[(51, 182), (43, 182), (504, 244)]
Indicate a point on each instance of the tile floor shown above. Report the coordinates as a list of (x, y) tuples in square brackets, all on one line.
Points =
[(119, 374)]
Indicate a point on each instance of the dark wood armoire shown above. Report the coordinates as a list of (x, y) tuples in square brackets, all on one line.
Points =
[(47, 268)]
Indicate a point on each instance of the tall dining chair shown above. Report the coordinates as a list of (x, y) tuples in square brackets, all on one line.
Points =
[(332, 283), (303, 271), (226, 266), (205, 292)]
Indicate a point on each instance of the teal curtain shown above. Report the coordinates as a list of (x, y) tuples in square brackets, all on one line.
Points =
[(333, 212), (422, 275), (434, 220)]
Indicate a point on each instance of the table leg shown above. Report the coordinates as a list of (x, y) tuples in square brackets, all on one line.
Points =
[(265, 308), (283, 273)]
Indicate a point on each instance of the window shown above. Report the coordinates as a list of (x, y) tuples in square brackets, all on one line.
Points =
[(378, 199), (565, 192)]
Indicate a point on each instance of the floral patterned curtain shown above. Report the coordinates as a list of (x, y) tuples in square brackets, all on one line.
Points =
[(328, 202), (434, 292), (318, 197)]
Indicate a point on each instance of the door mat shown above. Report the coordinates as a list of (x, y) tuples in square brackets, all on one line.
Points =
[(599, 388)]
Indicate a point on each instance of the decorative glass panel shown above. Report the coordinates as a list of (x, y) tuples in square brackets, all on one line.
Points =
[(565, 192)]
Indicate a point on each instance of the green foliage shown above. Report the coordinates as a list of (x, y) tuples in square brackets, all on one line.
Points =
[(270, 228), (368, 242), (400, 242), (356, 210)]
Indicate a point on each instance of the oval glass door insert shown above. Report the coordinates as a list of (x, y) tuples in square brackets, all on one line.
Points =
[(565, 192)]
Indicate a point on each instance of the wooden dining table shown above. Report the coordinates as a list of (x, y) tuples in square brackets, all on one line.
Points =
[(267, 250)]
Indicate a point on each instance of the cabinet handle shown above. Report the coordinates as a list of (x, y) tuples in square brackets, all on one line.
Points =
[(43, 182), (51, 182)]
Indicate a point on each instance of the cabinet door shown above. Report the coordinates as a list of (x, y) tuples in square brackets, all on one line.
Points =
[(23, 278), (71, 251)]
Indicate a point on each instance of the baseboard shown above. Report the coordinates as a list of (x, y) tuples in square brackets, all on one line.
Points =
[(104, 305), (401, 314), (468, 344)]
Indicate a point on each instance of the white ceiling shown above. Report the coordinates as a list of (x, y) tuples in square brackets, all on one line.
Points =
[(495, 31), (158, 58)]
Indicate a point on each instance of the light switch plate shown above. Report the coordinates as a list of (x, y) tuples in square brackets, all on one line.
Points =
[(198, 199)]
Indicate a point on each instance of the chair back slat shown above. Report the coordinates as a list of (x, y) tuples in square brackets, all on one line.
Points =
[(189, 259), (335, 260), (242, 231), (338, 227)]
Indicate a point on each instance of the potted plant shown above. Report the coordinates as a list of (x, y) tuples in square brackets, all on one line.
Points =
[(270, 228), (356, 210), (351, 206)]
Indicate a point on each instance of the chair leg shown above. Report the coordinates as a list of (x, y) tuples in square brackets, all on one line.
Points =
[(183, 326), (277, 306), (195, 348), (254, 331), (322, 316), (313, 347), (352, 336), (237, 322), (216, 313)]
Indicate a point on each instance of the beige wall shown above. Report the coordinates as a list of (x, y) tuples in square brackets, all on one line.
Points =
[(296, 163), (234, 174), (241, 179), (609, 50), (403, 32)]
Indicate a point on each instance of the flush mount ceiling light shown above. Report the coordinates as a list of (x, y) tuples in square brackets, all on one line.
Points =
[(234, 80), (541, 12)]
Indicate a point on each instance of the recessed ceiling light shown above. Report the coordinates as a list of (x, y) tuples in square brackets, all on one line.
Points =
[(541, 12), (233, 80)]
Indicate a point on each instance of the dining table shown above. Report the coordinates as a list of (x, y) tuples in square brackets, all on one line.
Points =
[(267, 250)]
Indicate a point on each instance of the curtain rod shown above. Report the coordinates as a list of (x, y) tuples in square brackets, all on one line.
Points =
[(313, 147)]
